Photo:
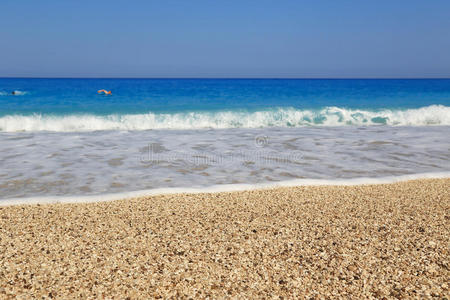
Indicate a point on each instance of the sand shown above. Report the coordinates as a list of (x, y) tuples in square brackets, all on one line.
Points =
[(388, 240)]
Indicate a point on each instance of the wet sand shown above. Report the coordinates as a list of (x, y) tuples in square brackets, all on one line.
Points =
[(378, 241)]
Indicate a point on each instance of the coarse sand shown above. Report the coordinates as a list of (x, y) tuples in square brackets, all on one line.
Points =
[(368, 241)]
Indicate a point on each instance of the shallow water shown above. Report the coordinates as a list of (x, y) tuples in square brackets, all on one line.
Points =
[(104, 162)]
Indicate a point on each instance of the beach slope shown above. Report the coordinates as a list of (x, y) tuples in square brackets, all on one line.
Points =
[(387, 240)]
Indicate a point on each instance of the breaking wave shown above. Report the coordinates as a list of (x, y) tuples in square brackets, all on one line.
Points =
[(279, 117)]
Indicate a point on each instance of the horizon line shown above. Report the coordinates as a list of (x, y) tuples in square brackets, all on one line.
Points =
[(231, 78)]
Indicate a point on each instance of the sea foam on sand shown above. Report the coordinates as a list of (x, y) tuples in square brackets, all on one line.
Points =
[(220, 188)]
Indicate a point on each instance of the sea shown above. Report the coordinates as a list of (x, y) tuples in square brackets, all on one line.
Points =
[(62, 141)]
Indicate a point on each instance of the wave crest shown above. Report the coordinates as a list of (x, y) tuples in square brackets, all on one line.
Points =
[(281, 117)]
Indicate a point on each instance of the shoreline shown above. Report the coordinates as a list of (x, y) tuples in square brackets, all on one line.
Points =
[(385, 240), (221, 188)]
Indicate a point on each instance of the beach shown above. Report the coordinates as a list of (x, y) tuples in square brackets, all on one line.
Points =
[(386, 240), (244, 150)]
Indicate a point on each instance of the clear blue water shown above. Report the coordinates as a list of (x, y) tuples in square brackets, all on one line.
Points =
[(58, 137), (135, 96), (220, 103)]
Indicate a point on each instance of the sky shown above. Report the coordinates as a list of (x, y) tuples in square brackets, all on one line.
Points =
[(242, 38)]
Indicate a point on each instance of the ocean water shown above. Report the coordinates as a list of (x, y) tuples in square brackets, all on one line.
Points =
[(59, 138)]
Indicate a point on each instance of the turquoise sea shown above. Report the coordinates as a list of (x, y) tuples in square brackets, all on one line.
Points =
[(60, 138), (141, 104)]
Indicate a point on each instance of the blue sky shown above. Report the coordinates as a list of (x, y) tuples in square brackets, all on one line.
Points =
[(225, 38)]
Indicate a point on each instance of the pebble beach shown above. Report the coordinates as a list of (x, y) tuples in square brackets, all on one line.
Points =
[(366, 241)]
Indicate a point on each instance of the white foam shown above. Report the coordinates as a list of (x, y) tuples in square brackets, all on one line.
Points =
[(14, 93), (281, 117), (222, 188), (20, 93)]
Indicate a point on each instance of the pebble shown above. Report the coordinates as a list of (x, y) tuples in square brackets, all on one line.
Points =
[(302, 242)]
